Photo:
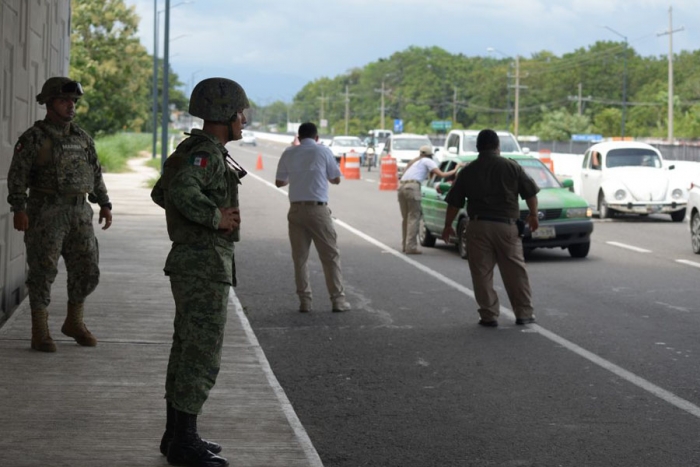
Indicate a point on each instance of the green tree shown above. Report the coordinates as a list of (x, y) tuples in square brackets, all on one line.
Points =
[(113, 67), (608, 122), (560, 124)]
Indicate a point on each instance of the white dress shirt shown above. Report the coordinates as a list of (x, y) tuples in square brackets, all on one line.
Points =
[(307, 168)]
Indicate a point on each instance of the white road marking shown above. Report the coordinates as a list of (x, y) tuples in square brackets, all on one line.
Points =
[(629, 247), (688, 263), (299, 431), (638, 381), (628, 376)]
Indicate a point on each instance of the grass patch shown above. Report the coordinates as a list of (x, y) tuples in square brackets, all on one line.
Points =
[(154, 163), (115, 150)]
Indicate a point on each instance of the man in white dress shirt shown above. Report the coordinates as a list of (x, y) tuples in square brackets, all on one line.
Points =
[(307, 169)]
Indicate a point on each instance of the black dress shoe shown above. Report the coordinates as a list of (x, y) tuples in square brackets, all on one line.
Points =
[(522, 321), (488, 324)]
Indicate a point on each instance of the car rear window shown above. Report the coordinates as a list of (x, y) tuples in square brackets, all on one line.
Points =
[(409, 144)]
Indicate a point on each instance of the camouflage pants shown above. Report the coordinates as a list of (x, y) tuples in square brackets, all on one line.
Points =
[(195, 356), (57, 230)]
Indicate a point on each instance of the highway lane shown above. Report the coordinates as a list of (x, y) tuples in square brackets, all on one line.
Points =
[(408, 379)]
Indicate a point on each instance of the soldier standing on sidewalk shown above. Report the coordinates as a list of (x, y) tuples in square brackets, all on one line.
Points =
[(56, 161), (199, 192)]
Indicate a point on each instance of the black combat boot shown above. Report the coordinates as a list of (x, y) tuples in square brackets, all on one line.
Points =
[(186, 448), (170, 431)]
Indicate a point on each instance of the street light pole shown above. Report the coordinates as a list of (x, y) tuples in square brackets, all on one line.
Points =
[(508, 86), (624, 81), (670, 71), (155, 77), (165, 118)]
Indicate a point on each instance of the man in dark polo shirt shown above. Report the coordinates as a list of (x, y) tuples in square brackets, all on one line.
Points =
[(491, 185)]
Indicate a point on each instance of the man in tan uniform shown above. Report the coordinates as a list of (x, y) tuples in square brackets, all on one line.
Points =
[(491, 184)]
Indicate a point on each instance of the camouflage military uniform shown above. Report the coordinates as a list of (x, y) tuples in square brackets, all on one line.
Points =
[(196, 182), (59, 166)]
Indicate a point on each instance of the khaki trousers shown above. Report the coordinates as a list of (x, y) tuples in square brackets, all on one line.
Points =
[(409, 202), (307, 223), (490, 244)]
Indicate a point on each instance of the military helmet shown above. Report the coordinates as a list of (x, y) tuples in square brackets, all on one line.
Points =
[(217, 100), (59, 86)]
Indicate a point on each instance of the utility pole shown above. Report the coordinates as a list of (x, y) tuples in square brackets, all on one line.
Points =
[(383, 91), (454, 108), (580, 103), (670, 70), (323, 99), (580, 99), (517, 95), (624, 81), (347, 109)]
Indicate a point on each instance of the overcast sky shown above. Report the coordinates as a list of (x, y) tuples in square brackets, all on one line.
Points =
[(274, 47)]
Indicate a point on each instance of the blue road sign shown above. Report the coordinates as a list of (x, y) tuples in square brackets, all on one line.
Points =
[(398, 125), (587, 137)]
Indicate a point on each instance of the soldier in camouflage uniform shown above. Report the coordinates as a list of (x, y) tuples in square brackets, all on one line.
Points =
[(56, 161), (199, 192)]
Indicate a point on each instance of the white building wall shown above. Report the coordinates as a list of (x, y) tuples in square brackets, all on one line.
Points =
[(34, 45)]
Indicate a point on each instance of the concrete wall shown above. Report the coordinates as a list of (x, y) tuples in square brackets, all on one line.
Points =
[(34, 46)]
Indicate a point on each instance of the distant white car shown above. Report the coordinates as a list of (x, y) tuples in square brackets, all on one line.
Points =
[(404, 147), (630, 177), (340, 145), (694, 216), (248, 137)]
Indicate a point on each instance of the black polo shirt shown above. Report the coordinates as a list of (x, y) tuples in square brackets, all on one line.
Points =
[(491, 185)]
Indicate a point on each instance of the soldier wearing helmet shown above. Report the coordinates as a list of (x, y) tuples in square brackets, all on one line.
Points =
[(199, 192), (56, 161)]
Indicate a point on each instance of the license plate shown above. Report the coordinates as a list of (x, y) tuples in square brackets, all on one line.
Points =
[(653, 208), (544, 232)]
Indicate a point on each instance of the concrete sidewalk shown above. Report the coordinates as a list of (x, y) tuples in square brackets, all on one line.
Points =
[(104, 406)]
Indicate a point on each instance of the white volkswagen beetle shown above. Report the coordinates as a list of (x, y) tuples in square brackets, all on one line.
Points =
[(631, 177)]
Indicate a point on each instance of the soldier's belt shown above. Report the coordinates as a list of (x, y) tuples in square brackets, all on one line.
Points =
[(75, 199)]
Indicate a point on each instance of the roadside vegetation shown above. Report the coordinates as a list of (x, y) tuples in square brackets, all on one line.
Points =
[(115, 150)]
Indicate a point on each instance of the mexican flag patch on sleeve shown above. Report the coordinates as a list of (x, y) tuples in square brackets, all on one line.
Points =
[(199, 159)]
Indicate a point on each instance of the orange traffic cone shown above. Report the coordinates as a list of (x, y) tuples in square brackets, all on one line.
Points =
[(389, 179), (342, 164), (352, 166), (259, 165)]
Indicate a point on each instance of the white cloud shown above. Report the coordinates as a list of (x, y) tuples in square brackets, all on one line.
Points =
[(314, 38)]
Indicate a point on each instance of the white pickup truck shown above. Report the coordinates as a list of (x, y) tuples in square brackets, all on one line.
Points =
[(463, 143)]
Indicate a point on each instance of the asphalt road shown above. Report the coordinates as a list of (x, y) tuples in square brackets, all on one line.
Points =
[(608, 377)]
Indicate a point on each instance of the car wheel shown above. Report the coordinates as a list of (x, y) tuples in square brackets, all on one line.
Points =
[(678, 216), (579, 250), (695, 233), (462, 237), (424, 235), (604, 212)]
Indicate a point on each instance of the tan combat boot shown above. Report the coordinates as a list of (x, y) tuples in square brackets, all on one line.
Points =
[(41, 339), (75, 328)]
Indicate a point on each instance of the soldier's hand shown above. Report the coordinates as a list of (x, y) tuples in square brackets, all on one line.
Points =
[(21, 221), (106, 214), (230, 219), (448, 232)]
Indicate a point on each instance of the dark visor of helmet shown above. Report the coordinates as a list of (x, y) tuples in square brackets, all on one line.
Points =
[(73, 87)]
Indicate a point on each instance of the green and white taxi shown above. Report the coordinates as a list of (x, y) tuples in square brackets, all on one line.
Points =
[(565, 217)]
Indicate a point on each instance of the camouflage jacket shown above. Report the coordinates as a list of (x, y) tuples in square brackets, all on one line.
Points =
[(57, 159), (196, 182)]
